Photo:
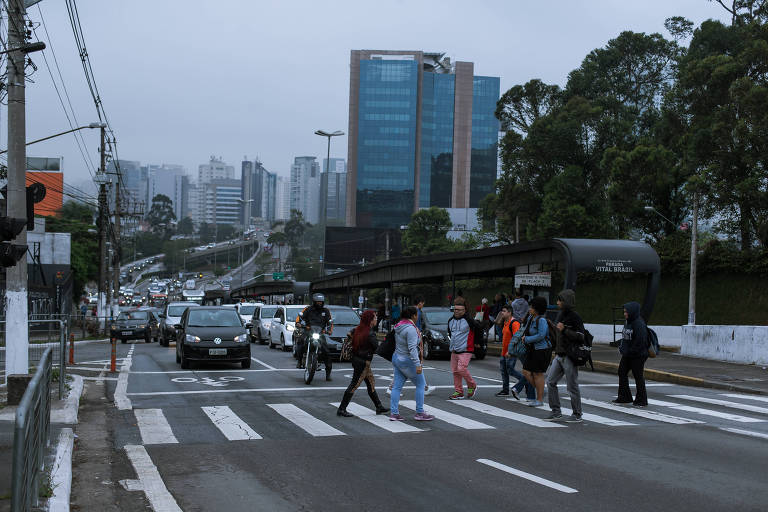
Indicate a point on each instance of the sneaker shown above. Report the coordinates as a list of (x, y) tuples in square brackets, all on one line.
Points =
[(428, 390), (389, 392), (535, 403), (555, 416), (471, 391), (502, 393), (396, 417), (514, 394), (456, 396), (422, 416), (573, 418)]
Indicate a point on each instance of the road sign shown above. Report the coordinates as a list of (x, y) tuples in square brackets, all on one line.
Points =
[(360, 300), (278, 276)]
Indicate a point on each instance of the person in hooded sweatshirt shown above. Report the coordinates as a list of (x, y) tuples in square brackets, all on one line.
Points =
[(406, 362), (569, 329), (634, 352)]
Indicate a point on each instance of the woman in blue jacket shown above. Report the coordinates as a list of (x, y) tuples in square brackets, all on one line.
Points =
[(539, 355)]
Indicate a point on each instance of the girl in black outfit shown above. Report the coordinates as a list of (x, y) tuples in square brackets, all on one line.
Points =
[(634, 352), (364, 345)]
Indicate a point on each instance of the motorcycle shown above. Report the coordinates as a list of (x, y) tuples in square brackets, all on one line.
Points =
[(315, 340)]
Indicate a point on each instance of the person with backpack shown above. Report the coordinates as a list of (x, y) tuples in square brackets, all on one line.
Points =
[(634, 352), (507, 361), (539, 354), (406, 362), (364, 344), (463, 331), (569, 330)]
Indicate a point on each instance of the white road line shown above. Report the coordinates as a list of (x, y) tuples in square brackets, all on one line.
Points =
[(263, 390), (745, 432), (122, 402), (233, 370), (154, 427), (305, 421), (503, 413), (746, 397), (528, 476), (230, 424), (149, 480), (448, 417), (588, 416), (262, 363), (642, 413), (706, 412), (724, 403), (380, 420)]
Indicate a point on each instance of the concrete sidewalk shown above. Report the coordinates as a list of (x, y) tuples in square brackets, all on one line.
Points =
[(688, 371)]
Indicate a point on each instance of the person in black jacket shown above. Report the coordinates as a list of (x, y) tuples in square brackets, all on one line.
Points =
[(364, 345), (634, 352)]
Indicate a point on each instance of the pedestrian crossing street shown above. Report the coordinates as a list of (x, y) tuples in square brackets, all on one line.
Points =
[(276, 419)]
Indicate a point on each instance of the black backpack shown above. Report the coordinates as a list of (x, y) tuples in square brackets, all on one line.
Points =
[(387, 348), (580, 352)]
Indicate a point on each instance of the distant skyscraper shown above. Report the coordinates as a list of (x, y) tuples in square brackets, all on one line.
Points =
[(422, 132), (167, 179), (135, 182), (221, 203), (215, 169), (282, 198), (305, 187), (335, 183), (258, 192)]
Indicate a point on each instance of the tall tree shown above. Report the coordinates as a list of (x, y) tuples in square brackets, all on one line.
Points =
[(427, 232), (186, 226), (161, 215)]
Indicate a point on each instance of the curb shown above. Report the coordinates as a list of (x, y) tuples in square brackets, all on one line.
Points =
[(61, 473)]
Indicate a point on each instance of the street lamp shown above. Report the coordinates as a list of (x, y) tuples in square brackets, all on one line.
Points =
[(694, 250), (324, 188), (92, 125)]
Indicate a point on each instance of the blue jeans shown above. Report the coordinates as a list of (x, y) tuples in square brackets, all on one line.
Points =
[(507, 367), (405, 369)]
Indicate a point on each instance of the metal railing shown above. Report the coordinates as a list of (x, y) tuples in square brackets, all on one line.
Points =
[(30, 437)]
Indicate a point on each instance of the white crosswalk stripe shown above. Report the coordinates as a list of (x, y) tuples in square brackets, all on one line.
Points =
[(642, 413), (749, 433), (705, 412), (305, 421), (589, 417), (153, 426), (380, 420), (724, 403), (448, 417), (503, 413), (746, 397), (229, 423)]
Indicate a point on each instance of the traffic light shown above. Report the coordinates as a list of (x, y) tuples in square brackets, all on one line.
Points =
[(35, 194), (11, 253)]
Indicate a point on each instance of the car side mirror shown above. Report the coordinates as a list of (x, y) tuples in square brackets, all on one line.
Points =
[(177, 326)]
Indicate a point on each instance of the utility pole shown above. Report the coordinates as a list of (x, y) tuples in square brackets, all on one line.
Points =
[(694, 250), (104, 221), (16, 305), (116, 248)]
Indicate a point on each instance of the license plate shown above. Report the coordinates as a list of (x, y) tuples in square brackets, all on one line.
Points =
[(126, 333), (217, 351)]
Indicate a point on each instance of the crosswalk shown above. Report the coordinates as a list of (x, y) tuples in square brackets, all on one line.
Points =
[(246, 421)]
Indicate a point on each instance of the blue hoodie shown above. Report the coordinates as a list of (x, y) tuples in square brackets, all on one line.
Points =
[(634, 337), (407, 341)]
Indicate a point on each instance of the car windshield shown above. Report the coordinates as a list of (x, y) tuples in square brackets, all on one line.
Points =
[(134, 315), (247, 310), (438, 317), (292, 312), (268, 312), (177, 310), (345, 317), (213, 318)]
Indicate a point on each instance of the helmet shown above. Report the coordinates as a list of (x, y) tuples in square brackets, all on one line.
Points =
[(318, 297)]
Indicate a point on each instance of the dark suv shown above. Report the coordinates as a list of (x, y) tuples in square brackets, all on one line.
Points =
[(135, 325)]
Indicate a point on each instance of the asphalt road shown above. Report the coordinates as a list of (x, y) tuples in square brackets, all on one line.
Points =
[(223, 438)]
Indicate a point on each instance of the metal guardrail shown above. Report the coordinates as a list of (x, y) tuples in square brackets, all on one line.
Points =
[(33, 422)]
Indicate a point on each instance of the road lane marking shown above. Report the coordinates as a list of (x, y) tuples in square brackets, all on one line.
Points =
[(305, 421), (266, 390), (294, 369), (380, 420), (642, 413), (745, 432), (122, 402), (448, 417), (528, 476), (154, 427), (587, 416), (724, 403), (149, 480), (503, 413), (262, 363), (747, 397), (230, 424), (706, 412)]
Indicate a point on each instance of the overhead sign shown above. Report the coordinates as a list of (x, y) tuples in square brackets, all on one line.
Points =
[(278, 276), (614, 266), (543, 279)]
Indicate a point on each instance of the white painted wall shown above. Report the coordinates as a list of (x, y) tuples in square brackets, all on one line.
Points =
[(669, 335), (734, 343)]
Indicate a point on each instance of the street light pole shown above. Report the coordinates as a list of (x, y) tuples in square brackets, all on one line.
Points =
[(324, 189)]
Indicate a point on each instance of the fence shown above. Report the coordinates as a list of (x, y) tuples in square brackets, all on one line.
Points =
[(33, 421), (44, 333)]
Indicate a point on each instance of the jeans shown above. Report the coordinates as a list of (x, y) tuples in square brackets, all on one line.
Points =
[(635, 364), (405, 369), (522, 382), (563, 366), (459, 367), (507, 367)]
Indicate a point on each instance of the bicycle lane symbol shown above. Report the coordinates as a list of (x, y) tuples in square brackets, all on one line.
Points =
[(208, 381)]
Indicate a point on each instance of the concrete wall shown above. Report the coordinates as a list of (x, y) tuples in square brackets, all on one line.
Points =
[(733, 343), (669, 335)]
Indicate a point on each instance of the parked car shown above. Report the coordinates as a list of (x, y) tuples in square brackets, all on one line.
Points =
[(212, 333), (283, 325), (262, 323), (135, 325), (171, 316), (435, 333)]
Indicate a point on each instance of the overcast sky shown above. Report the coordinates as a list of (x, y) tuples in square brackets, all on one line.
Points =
[(185, 79)]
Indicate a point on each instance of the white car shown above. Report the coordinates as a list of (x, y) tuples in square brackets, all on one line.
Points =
[(262, 322), (283, 325), (246, 310)]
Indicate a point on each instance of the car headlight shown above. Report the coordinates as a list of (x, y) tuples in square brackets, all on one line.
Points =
[(436, 335), (290, 328), (192, 339), (315, 336), (140, 326), (242, 338)]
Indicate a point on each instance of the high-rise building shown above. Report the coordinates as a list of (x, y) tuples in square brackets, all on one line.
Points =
[(305, 187), (134, 184), (215, 169), (221, 201), (168, 180), (422, 132), (258, 192), (334, 182), (282, 198)]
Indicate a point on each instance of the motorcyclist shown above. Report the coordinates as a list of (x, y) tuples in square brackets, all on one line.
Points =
[(316, 315)]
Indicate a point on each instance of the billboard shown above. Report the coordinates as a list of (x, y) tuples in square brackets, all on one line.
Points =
[(48, 172)]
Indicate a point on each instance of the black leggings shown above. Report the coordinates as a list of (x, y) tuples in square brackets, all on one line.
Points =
[(361, 373), (635, 364)]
